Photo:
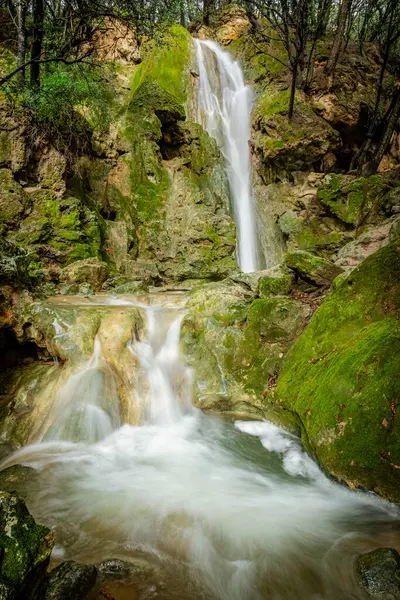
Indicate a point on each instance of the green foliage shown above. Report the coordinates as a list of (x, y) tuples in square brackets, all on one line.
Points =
[(70, 98)]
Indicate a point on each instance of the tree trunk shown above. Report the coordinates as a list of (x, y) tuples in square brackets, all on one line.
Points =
[(36, 50), (391, 123), (21, 39), (339, 37), (207, 9), (293, 88)]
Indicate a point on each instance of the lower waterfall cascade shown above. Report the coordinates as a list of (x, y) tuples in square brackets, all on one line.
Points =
[(235, 510)]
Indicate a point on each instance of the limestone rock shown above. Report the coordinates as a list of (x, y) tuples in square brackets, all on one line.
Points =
[(353, 200), (14, 264), (341, 377), (235, 344), (12, 198), (312, 268), (282, 145), (378, 574), (368, 242), (89, 270)]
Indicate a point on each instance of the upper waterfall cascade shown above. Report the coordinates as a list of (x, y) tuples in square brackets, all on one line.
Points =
[(224, 108)]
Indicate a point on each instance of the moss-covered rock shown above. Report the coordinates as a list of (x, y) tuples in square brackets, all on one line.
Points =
[(341, 378), (236, 343), (312, 268), (353, 201), (25, 548)]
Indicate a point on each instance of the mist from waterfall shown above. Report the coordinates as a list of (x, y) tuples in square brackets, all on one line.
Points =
[(239, 508), (224, 108)]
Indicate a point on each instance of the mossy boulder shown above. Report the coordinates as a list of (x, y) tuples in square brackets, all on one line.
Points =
[(341, 378), (236, 343), (378, 574), (312, 268), (25, 548), (353, 200)]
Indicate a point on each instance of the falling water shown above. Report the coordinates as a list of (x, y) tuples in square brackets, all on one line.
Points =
[(224, 111), (239, 509)]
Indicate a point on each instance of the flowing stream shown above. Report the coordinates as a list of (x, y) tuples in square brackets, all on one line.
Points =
[(224, 110), (231, 511)]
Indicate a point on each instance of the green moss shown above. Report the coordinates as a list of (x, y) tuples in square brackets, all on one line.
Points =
[(342, 376), (311, 267), (352, 200), (166, 63), (25, 545), (274, 286)]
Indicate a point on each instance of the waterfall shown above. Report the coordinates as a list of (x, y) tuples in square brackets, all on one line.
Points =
[(224, 111), (167, 379), (233, 511)]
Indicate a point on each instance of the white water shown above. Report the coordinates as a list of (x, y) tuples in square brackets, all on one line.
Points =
[(224, 110), (245, 520)]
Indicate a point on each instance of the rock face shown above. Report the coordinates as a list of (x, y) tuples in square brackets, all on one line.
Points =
[(341, 380), (378, 574), (25, 549), (235, 342)]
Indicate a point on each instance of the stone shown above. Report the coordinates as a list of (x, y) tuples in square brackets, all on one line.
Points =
[(313, 269), (51, 170), (25, 548), (368, 242), (235, 344), (341, 377), (70, 581), (90, 270), (14, 264), (353, 200), (12, 198), (378, 574)]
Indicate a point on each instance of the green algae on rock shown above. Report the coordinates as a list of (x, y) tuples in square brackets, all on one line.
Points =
[(341, 377)]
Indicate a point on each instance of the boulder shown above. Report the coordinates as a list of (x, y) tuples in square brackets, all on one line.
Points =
[(25, 549), (89, 270), (235, 344), (341, 377), (70, 581), (353, 200), (312, 268), (378, 574)]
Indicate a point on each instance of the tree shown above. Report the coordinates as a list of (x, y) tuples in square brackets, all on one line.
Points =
[(339, 36)]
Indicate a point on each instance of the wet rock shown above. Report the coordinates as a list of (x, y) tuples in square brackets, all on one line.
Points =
[(314, 269), (70, 581), (25, 549), (235, 344), (14, 264), (378, 574), (115, 569)]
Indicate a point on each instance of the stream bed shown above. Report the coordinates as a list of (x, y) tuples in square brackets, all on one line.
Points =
[(215, 508)]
